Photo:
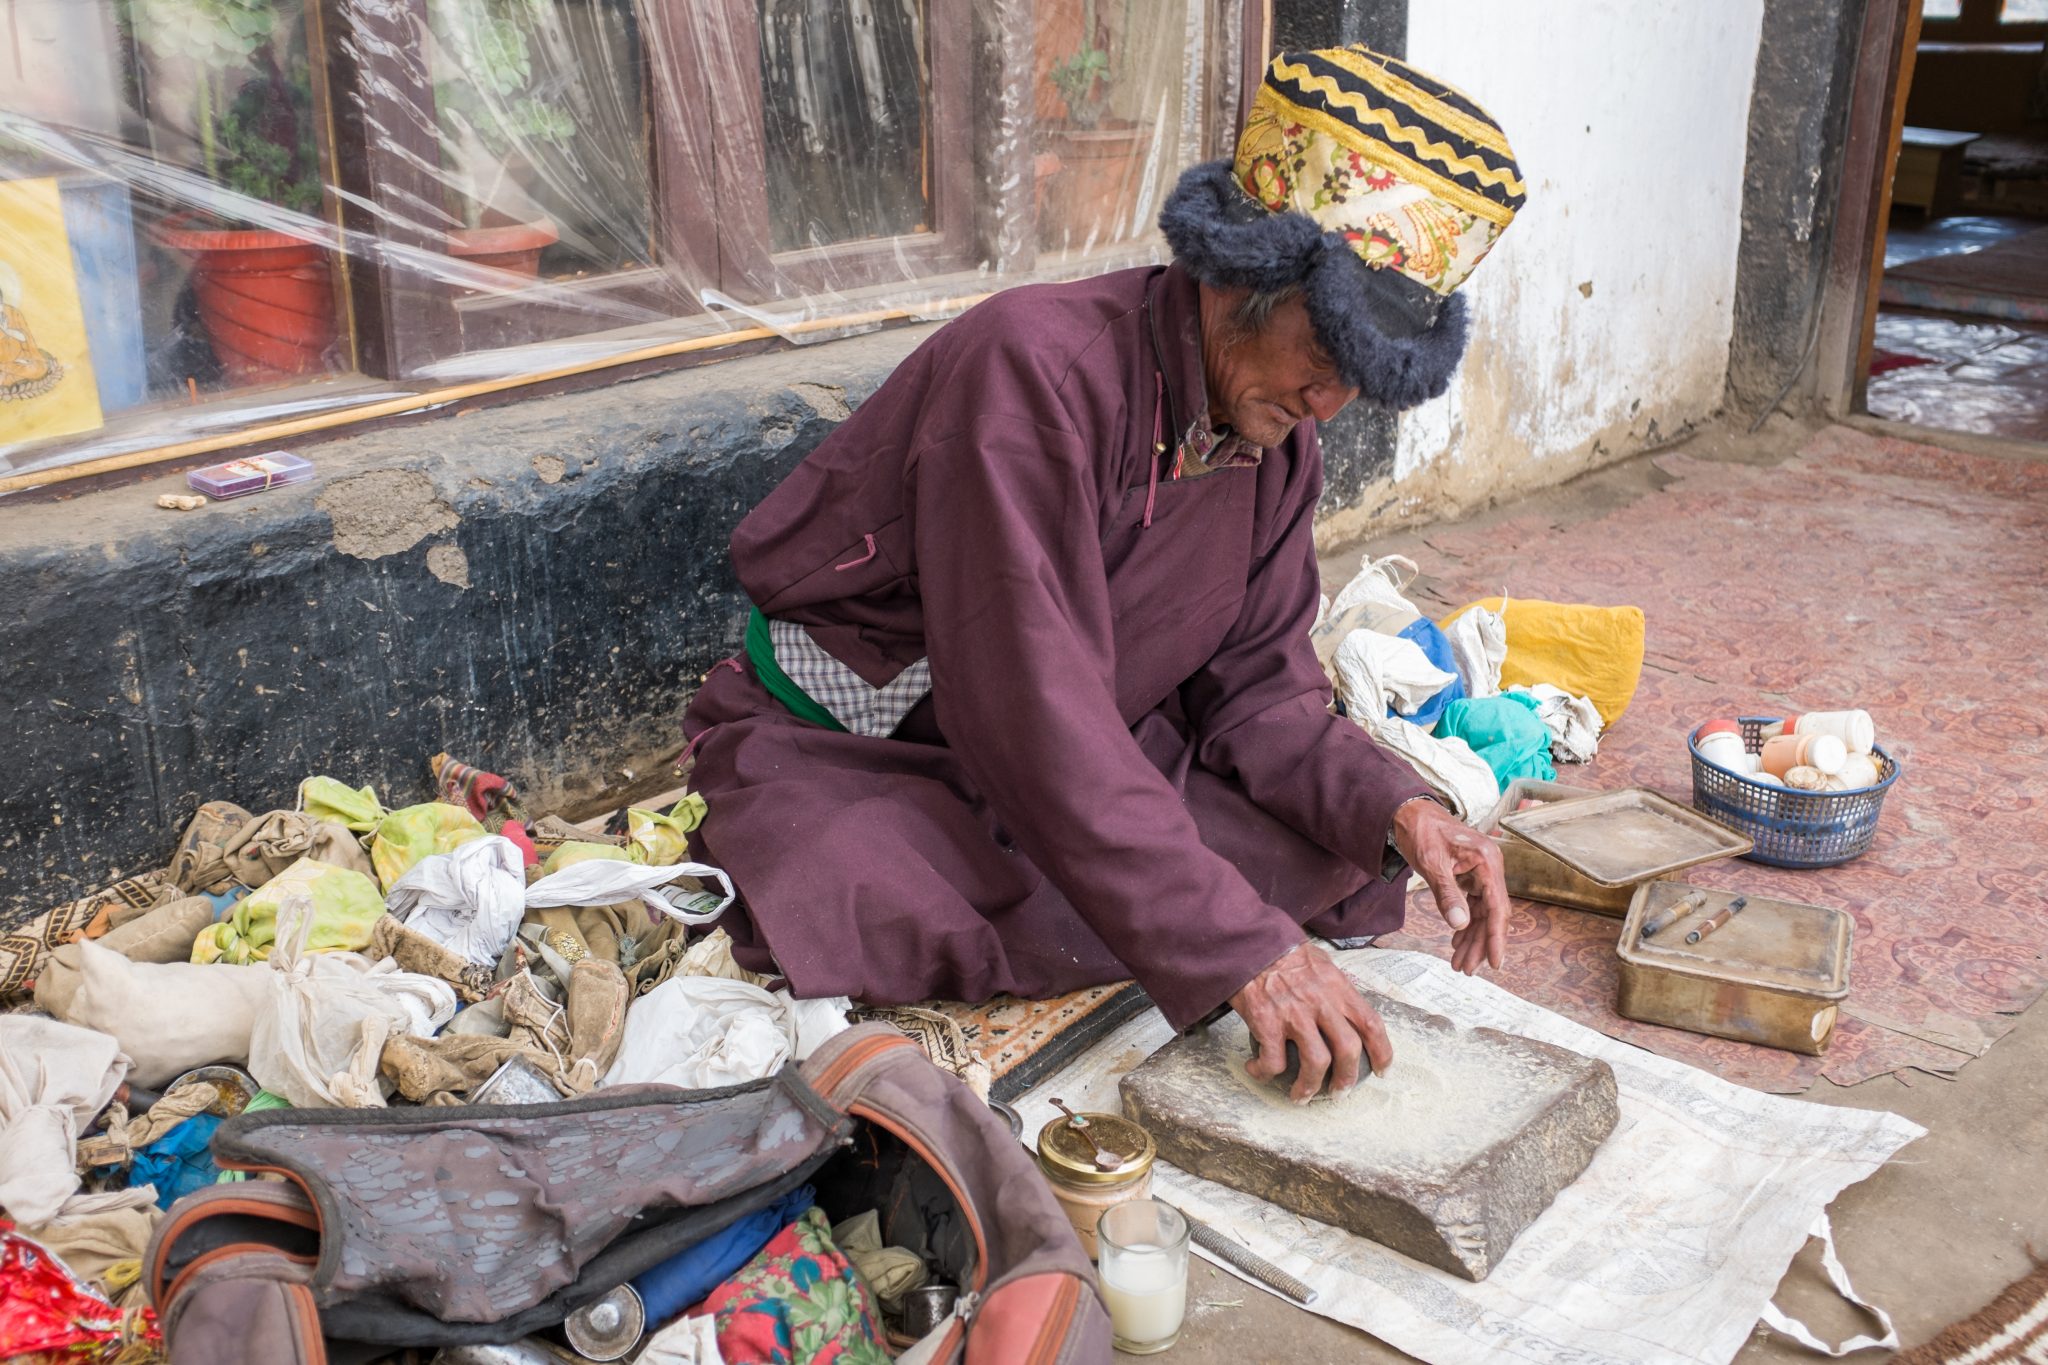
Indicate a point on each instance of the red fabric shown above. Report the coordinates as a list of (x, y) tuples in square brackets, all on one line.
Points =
[(516, 832), (1884, 362)]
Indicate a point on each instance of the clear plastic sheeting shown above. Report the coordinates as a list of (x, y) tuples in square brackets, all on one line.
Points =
[(226, 217)]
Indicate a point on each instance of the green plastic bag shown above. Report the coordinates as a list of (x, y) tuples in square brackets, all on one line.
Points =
[(1505, 732), (405, 836), (323, 798), (658, 840), (346, 906)]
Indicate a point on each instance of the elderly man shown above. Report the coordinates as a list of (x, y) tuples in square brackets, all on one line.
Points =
[(1028, 701)]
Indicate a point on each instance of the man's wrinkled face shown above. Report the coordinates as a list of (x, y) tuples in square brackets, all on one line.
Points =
[(1261, 384)]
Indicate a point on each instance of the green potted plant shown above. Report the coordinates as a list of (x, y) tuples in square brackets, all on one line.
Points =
[(1091, 158), (265, 293), (494, 113)]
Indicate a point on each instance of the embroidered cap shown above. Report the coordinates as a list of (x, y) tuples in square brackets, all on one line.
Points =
[(1374, 188)]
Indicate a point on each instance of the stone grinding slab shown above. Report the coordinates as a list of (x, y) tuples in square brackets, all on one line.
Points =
[(1446, 1158)]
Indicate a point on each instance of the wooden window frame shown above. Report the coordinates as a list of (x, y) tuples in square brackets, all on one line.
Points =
[(371, 78), (1981, 22)]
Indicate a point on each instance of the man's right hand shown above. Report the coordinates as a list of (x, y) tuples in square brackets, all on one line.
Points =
[(1305, 999)]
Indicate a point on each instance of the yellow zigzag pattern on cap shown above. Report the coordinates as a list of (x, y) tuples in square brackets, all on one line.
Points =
[(1378, 71), (1441, 153)]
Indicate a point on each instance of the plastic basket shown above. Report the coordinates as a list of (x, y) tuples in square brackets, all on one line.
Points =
[(1790, 828)]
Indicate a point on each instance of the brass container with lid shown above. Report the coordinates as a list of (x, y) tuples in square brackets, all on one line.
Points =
[(1083, 1188)]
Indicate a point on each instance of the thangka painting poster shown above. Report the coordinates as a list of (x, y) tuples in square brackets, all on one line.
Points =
[(46, 379)]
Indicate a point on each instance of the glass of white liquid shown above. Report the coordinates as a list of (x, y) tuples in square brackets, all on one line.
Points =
[(1144, 1266)]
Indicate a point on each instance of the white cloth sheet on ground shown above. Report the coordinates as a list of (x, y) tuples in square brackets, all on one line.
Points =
[(1644, 1258)]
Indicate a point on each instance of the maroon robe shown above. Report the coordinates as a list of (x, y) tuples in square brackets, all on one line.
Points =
[(1127, 766)]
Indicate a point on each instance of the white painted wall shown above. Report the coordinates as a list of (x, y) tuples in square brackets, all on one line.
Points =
[(1629, 119)]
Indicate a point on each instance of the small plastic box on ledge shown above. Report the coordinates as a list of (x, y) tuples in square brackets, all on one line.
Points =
[(250, 474)]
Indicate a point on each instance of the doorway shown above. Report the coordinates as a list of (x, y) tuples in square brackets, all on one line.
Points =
[(1955, 333)]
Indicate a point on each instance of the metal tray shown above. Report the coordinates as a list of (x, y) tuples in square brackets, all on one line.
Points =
[(1533, 874), (1775, 974), (1620, 838)]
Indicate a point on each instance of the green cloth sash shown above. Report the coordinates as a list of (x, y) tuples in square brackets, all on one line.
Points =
[(761, 654)]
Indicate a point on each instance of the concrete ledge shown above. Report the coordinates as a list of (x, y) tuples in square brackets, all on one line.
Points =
[(537, 588)]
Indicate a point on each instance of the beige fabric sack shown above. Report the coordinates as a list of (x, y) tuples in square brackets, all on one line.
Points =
[(162, 934), (168, 1017), (272, 842)]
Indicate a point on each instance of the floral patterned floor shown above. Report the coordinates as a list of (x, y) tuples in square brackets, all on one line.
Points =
[(1866, 571)]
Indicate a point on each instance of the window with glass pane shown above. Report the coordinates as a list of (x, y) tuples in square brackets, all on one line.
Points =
[(1941, 9), (845, 106), (1112, 131), (540, 117), (2024, 12), (235, 290)]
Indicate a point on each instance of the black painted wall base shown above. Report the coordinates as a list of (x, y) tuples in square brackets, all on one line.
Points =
[(536, 588)]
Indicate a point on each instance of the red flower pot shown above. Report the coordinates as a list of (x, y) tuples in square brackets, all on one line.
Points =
[(514, 248), (267, 298)]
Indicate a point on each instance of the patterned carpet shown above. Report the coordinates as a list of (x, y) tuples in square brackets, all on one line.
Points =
[(1867, 572), (1023, 1041)]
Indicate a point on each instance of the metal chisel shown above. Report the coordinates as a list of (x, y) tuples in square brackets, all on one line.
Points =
[(1249, 1261)]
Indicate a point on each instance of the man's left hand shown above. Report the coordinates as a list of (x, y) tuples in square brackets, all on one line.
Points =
[(1463, 869)]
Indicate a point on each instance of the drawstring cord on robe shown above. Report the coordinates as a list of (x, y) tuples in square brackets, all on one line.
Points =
[(1158, 444)]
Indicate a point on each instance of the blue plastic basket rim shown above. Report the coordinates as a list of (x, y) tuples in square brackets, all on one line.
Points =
[(1692, 742)]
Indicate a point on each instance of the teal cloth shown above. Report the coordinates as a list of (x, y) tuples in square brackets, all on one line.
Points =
[(1504, 731)]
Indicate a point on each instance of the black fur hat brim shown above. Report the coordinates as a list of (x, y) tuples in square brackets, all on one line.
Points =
[(1397, 355)]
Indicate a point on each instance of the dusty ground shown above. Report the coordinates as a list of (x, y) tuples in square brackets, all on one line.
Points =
[(1931, 1238)]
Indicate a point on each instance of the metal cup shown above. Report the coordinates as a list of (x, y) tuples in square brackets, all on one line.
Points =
[(925, 1308)]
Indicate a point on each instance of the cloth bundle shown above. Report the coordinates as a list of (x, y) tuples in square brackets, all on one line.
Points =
[(1573, 722), (1505, 732), (269, 844), (475, 790), (1416, 660), (24, 950), (470, 899), (403, 837), (101, 1237), (200, 863), (167, 1017), (571, 1043), (800, 1299), (1447, 765), (319, 1036), (701, 1031), (54, 1078), (344, 906), (163, 933), (655, 838)]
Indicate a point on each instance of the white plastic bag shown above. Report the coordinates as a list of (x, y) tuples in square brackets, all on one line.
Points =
[(704, 1031), (470, 899), (1479, 645), (602, 881), (318, 1038)]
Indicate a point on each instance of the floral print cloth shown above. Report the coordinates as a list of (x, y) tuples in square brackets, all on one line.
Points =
[(799, 1301)]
